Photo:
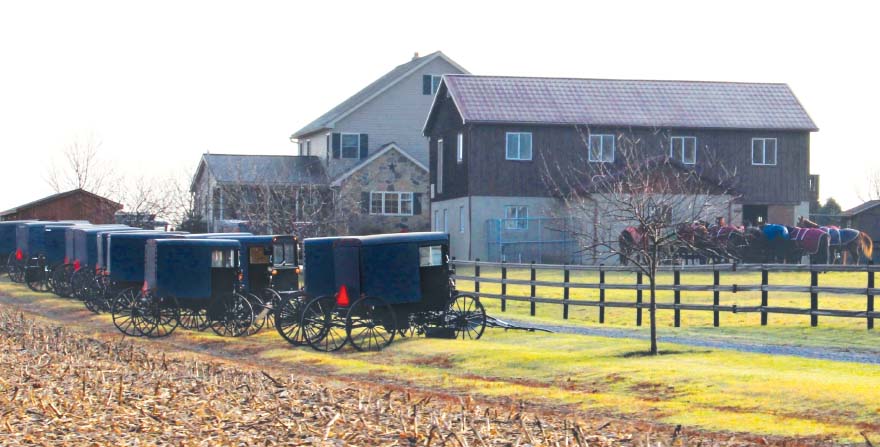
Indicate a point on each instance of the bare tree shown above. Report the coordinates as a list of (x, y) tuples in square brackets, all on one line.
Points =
[(871, 189), (80, 166), (638, 201)]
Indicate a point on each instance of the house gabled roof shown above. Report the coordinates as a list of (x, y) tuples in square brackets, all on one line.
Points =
[(329, 119), (861, 208), (628, 103), (262, 169), (60, 195), (382, 151)]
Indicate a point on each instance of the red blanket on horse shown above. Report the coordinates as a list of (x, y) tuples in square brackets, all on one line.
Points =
[(635, 234), (807, 239), (722, 234)]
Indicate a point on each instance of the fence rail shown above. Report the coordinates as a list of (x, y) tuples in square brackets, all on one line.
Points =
[(814, 289)]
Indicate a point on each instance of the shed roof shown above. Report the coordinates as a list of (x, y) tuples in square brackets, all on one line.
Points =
[(327, 120), (58, 196), (263, 169), (636, 103), (861, 208)]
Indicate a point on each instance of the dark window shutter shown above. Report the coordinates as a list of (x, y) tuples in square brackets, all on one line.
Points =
[(364, 146), (365, 202), (327, 148), (337, 145), (426, 84), (417, 204)]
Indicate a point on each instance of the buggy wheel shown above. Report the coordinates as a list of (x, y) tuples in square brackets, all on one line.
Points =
[(271, 299), (61, 280), (80, 283), (122, 311), (36, 279), (370, 324), (15, 269), (287, 314), (467, 316), (237, 317), (194, 319), (96, 301), (157, 316), (9, 265), (261, 312), (322, 324)]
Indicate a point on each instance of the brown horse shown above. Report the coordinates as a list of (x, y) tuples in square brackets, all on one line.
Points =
[(860, 247)]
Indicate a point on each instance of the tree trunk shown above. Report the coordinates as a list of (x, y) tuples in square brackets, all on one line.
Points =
[(652, 311)]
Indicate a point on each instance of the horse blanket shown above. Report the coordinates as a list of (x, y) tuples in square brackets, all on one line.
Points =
[(724, 233), (807, 239), (775, 231), (635, 234), (841, 236)]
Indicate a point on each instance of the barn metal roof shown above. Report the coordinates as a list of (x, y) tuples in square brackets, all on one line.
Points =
[(637, 103), (264, 169)]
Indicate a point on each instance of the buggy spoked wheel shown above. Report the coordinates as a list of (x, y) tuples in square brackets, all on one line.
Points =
[(261, 312), (61, 280), (370, 324), (413, 328), (287, 314), (467, 316), (322, 324), (36, 279), (271, 300), (122, 311), (194, 319), (96, 301), (15, 269), (157, 316), (237, 317), (80, 283)]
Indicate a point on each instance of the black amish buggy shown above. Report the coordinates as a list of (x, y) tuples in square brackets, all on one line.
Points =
[(7, 242), (365, 290), (269, 269), (124, 275), (39, 247), (187, 277), (81, 254)]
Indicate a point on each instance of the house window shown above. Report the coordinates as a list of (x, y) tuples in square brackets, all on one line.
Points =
[(519, 146), (440, 166), (684, 149), (430, 84), (461, 219), (391, 203), (459, 152), (436, 220), (602, 148), (764, 151), (516, 217), (351, 145), (445, 220)]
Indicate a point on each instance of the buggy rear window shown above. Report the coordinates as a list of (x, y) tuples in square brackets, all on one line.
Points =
[(223, 259), (282, 254), (430, 256)]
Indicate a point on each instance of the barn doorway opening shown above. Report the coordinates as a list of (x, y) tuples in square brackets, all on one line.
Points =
[(754, 215)]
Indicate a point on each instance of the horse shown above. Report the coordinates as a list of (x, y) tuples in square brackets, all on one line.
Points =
[(630, 241), (809, 241), (844, 242), (729, 240)]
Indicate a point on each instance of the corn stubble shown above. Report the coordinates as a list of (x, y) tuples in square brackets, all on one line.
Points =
[(59, 387)]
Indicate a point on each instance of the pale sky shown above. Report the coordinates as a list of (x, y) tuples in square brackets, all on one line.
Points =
[(162, 82)]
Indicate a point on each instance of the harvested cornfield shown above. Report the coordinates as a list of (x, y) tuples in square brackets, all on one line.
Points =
[(61, 387)]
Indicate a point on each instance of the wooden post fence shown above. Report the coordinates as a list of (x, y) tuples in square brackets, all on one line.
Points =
[(765, 280), (503, 286), (639, 299), (870, 295), (601, 293), (532, 296), (814, 298), (676, 281), (716, 297), (566, 278)]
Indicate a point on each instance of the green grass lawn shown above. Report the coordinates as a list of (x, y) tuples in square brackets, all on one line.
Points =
[(711, 389), (838, 332)]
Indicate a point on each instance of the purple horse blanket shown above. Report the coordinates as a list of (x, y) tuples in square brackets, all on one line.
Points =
[(807, 239)]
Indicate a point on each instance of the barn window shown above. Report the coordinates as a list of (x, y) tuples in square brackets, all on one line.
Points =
[(516, 217), (430, 256), (391, 203), (519, 146), (602, 148), (684, 149), (430, 84), (764, 151)]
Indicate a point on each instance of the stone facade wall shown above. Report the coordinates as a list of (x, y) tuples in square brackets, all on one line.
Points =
[(392, 171)]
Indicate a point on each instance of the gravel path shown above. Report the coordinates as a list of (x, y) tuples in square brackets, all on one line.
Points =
[(837, 355)]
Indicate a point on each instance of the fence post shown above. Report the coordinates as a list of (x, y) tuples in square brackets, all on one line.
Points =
[(716, 296), (639, 299), (565, 278), (765, 280), (503, 287), (814, 297), (601, 293), (676, 281), (532, 303), (870, 295), (477, 278)]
